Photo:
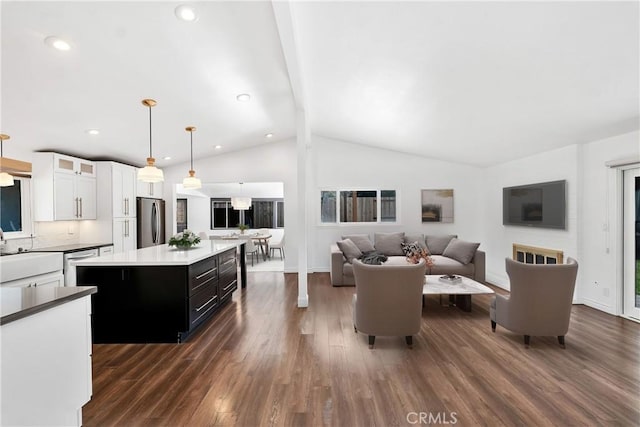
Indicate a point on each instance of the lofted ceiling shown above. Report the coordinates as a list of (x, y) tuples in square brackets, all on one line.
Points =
[(472, 82)]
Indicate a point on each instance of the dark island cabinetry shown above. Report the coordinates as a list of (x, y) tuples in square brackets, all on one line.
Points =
[(158, 303)]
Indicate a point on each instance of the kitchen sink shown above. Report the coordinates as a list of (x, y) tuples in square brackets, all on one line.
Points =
[(24, 264)]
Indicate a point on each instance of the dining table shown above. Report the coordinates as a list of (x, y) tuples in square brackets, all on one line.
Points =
[(261, 240)]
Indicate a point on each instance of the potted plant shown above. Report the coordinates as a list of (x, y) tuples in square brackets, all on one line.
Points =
[(242, 228), (184, 240)]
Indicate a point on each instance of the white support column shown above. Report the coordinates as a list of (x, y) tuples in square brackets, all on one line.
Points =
[(303, 138), (285, 22)]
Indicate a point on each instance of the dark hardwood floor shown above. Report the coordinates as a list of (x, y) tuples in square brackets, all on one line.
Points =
[(263, 361)]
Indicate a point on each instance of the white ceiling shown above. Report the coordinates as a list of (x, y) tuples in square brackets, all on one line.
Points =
[(257, 190), (474, 82)]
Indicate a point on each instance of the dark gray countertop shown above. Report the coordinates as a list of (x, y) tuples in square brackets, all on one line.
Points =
[(18, 303), (71, 248)]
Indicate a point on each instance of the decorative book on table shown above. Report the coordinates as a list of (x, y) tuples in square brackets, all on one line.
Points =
[(450, 278)]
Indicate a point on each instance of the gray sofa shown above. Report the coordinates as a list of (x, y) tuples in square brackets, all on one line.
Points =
[(442, 248)]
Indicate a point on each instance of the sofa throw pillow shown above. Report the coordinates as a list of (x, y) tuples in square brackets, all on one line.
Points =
[(389, 244), (460, 250), (410, 248), (437, 244), (349, 250), (410, 238), (362, 242)]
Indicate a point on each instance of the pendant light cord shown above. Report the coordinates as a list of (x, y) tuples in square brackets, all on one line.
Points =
[(150, 149), (2, 145), (191, 134)]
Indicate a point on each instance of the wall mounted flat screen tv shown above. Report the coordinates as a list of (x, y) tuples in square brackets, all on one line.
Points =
[(536, 205)]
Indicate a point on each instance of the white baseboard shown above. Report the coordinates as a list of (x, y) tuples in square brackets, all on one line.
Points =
[(599, 306), (498, 280)]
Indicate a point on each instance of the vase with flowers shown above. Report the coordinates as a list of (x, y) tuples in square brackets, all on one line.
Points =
[(184, 240)]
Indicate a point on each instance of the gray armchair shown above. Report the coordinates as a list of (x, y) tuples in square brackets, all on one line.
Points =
[(540, 299), (388, 300)]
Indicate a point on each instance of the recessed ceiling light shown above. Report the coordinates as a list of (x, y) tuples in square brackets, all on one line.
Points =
[(268, 135), (93, 131), (187, 13), (217, 147), (57, 43), (167, 157), (243, 97)]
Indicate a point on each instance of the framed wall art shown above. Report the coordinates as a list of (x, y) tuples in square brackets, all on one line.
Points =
[(437, 205)]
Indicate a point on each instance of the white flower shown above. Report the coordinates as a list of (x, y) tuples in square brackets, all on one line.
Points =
[(178, 236)]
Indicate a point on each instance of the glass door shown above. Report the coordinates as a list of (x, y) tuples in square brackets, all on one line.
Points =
[(632, 243)]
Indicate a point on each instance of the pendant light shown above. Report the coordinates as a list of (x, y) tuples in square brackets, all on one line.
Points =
[(6, 180), (150, 173), (241, 203), (191, 182)]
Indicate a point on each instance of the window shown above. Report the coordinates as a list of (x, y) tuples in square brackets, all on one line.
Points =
[(264, 213), (328, 206), (279, 214), (350, 206), (15, 208), (223, 215), (181, 215)]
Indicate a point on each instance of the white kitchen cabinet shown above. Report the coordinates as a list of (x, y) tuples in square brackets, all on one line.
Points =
[(46, 363), (150, 189), (73, 166), (124, 235), (53, 279), (116, 207), (64, 188), (124, 190)]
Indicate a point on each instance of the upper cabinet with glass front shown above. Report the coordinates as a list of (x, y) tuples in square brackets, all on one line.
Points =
[(64, 188), (73, 166)]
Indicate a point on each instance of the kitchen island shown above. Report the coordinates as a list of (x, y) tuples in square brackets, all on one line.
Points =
[(160, 293), (46, 355)]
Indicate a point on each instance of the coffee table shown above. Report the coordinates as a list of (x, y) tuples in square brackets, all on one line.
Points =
[(459, 292)]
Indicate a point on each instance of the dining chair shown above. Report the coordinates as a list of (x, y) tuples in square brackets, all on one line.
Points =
[(279, 246), (251, 249)]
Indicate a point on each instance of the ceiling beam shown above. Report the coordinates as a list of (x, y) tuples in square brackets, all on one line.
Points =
[(285, 22)]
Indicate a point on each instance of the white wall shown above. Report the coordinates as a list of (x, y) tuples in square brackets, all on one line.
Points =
[(592, 235), (272, 162), (560, 164), (343, 165), (600, 233), (198, 213)]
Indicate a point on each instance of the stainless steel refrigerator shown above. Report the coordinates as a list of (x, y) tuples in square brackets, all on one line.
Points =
[(150, 222)]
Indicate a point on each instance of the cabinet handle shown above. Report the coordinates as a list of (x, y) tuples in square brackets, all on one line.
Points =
[(126, 229), (202, 284), (206, 303), (81, 215), (206, 272), (76, 207), (230, 285)]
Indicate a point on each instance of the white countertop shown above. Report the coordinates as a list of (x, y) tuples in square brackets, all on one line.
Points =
[(162, 255)]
